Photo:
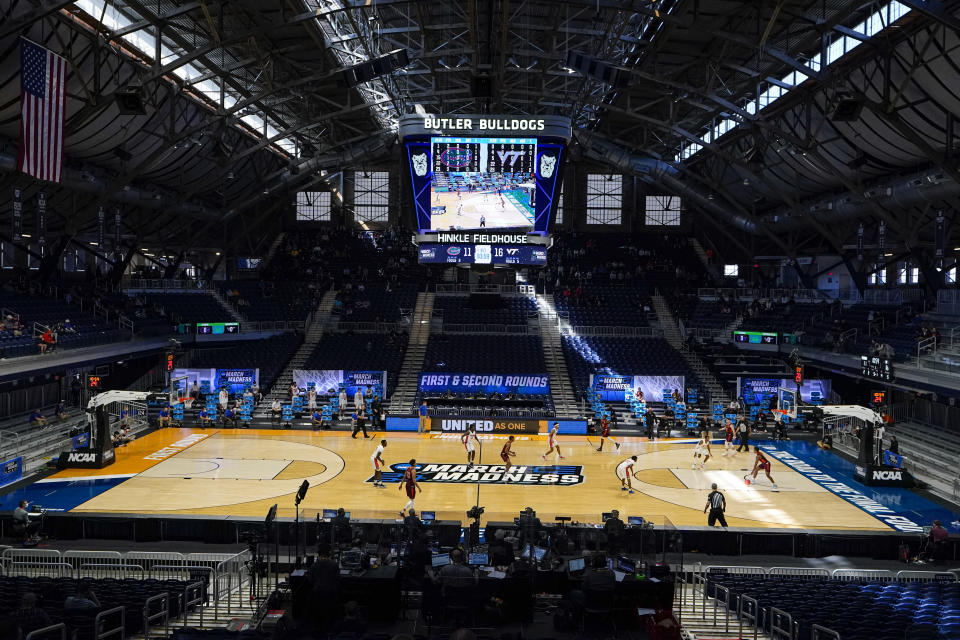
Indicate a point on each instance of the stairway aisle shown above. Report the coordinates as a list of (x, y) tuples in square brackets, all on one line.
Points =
[(716, 623), (561, 389), (709, 266), (401, 402), (320, 318), (672, 334), (229, 308)]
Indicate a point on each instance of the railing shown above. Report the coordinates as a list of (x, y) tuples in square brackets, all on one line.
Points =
[(948, 301), (748, 610), (363, 327), (99, 623), (164, 284), (624, 332), (926, 347), (822, 633), (781, 625), (162, 614), (955, 337), (854, 575), (926, 576), (503, 289), (507, 329), (36, 633)]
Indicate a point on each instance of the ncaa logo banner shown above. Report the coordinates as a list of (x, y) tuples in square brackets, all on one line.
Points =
[(449, 473)]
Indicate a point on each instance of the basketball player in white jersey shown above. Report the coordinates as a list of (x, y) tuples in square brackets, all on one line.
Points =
[(625, 473), (377, 460), (470, 440), (552, 441), (702, 449)]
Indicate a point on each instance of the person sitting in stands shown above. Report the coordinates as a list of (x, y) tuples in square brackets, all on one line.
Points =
[(61, 411), (203, 418), (83, 600), (317, 418), (163, 418), (46, 341), (276, 410), (230, 417), (68, 326), (37, 419), (29, 617)]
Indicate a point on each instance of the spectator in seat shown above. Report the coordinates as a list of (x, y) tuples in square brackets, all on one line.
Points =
[(83, 600), (68, 326), (61, 411), (316, 419), (47, 341), (37, 419), (276, 410), (203, 418), (29, 617), (163, 418), (894, 446), (230, 417)]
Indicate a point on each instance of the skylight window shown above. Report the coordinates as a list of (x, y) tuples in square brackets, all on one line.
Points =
[(839, 47)]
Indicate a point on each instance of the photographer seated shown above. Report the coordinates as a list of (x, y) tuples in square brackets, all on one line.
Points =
[(22, 525), (501, 550), (613, 528)]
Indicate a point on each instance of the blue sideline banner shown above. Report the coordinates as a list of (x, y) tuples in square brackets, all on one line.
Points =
[(235, 380), (760, 390), (892, 459), (614, 387), (81, 441), (538, 384), (329, 381), (12, 471)]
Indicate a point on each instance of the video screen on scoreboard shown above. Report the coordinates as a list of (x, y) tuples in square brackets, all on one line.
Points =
[(483, 183)]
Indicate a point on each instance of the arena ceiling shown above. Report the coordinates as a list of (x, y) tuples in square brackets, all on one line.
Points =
[(244, 102)]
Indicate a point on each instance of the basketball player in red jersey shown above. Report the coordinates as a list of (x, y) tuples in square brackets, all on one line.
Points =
[(552, 441), (764, 464), (409, 481), (605, 434), (728, 439), (506, 454)]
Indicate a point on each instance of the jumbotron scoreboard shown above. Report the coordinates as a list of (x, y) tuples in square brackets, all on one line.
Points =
[(484, 188), (479, 247)]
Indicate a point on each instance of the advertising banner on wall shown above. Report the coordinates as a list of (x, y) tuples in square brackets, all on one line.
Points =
[(538, 384), (760, 390), (235, 380), (329, 381), (11, 471), (613, 387)]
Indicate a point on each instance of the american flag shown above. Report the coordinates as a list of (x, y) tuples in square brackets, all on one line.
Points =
[(43, 75)]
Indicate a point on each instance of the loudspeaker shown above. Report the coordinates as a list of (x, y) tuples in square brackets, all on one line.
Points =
[(384, 65), (130, 102), (481, 87), (845, 109)]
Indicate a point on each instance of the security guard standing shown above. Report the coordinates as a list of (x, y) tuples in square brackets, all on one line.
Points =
[(717, 504)]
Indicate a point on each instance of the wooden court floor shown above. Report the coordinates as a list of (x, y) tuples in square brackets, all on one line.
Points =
[(243, 472)]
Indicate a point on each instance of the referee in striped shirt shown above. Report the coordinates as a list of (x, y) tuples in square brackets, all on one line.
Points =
[(717, 504)]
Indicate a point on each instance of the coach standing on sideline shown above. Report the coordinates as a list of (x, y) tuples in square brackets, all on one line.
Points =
[(717, 504), (424, 419)]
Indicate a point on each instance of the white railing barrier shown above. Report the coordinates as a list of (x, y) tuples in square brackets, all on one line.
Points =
[(822, 633), (119, 571), (232, 575), (748, 610), (188, 572), (102, 558), (99, 623), (802, 572), (58, 628), (926, 576), (161, 614), (852, 575), (35, 563)]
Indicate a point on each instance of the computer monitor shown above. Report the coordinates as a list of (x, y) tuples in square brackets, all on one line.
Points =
[(441, 559), (428, 516), (606, 516), (625, 564), (329, 513), (576, 564), (351, 559), (538, 553), (634, 520), (478, 559)]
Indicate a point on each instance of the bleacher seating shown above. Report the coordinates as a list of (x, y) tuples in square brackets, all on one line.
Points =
[(625, 356), (190, 307), (360, 352), (373, 303), (270, 355), (514, 310), (89, 330), (272, 300), (485, 354), (605, 305), (855, 609), (129, 593)]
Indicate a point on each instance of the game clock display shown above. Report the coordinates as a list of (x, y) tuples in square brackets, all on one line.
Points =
[(876, 367), (483, 254), (755, 337)]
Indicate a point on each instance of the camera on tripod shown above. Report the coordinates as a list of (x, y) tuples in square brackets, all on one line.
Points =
[(475, 512)]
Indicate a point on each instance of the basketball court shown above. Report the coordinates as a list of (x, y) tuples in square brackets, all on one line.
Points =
[(226, 472)]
